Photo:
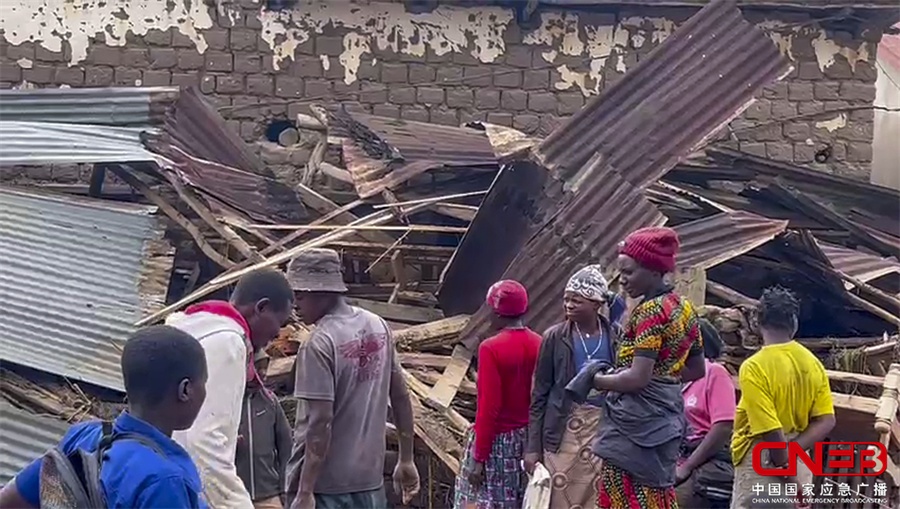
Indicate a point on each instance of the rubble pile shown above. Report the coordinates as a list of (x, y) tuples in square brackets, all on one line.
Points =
[(426, 217)]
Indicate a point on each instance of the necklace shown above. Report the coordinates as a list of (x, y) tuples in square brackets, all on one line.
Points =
[(590, 355)]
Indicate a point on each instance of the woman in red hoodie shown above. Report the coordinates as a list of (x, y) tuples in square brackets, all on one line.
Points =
[(491, 475)]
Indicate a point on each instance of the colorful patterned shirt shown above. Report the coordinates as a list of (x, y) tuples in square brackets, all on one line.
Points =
[(664, 328)]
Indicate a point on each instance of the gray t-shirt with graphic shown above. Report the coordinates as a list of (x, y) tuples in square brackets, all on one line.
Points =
[(348, 360)]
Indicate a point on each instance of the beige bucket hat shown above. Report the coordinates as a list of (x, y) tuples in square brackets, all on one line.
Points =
[(316, 270)]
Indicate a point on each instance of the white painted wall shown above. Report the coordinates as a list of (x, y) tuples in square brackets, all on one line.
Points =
[(886, 142)]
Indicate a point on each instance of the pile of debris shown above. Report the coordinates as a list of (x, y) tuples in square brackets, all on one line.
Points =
[(426, 217)]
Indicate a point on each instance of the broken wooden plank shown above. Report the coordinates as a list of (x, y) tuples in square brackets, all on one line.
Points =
[(690, 282), (421, 391), (280, 369), (233, 239), (398, 312), (232, 276), (729, 294), (173, 214), (424, 360), (445, 331), (846, 376), (431, 378), (444, 391), (424, 427)]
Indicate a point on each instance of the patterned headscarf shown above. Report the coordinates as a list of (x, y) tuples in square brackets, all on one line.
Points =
[(590, 283)]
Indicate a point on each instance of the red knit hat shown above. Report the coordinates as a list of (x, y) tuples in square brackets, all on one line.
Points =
[(653, 247), (508, 298)]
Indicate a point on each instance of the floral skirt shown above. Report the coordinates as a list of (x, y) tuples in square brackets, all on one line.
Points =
[(504, 479), (618, 491)]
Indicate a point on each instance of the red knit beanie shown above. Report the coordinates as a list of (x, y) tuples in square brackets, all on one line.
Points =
[(508, 298), (653, 247)]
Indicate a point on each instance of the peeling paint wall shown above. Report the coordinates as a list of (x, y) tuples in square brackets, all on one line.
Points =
[(387, 26), (450, 65), (76, 22)]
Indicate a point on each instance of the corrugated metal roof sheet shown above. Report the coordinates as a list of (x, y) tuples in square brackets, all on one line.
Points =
[(26, 437), (693, 83), (382, 153), (739, 166), (710, 241), (863, 266), (125, 106), (515, 211), (34, 143), (77, 273), (208, 155), (631, 135)]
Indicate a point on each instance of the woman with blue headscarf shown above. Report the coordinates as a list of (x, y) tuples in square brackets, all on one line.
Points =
[(560, 429)]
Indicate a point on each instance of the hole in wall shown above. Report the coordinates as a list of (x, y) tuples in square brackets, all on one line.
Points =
[(275, 128)]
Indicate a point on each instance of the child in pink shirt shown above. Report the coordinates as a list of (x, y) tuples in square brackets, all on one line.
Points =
[(705, 473)]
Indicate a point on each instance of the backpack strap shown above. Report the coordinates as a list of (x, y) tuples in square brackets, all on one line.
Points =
[(91, 463)]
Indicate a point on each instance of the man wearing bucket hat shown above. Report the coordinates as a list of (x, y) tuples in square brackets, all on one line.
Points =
[(347, 374)]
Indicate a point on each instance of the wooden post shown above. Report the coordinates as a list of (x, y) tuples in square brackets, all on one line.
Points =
[(887, 406), (98, 175), (690, 283)]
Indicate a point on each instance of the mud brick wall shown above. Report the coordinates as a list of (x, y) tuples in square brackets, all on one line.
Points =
[(449, 66)]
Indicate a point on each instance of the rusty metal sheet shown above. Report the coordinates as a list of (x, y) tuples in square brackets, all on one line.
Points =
[(212, 158), (692, 84), (863, 266), (701, 77), (710, 241), (383, 153), (509, 214), (737, 166), (822, 212), (576, 235)]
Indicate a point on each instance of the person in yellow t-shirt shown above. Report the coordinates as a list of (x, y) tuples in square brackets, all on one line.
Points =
[(785, 396)]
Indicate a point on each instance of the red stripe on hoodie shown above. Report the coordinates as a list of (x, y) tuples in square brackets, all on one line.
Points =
[(225, 309)]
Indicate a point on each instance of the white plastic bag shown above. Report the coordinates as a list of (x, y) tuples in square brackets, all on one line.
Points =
[(537, 493)]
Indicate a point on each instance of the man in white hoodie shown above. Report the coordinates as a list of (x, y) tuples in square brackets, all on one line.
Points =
[(230, 332)]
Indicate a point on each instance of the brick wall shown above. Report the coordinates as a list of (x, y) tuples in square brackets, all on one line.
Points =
[(448, 66)]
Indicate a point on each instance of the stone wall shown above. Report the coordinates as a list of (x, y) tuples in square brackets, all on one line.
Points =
[(449, 66)]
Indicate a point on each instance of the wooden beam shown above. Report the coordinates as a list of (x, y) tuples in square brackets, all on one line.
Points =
[(444, 331), (729, 294), (424, 360), (690, 282), (431, 378), (421, 391), (280, 369), (398, 312), (173, 214), (845, 376), (98, 175), (232, 238)]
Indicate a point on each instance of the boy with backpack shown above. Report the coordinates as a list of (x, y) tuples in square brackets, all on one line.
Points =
[(133, 461)]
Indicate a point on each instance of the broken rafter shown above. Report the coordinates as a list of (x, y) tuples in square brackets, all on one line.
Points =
[(333, 227), (232, 238), (233, 276), (173, 214)]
